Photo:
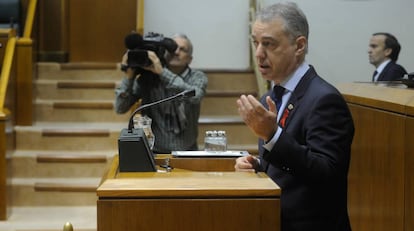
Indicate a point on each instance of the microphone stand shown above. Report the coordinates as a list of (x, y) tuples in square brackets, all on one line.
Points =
[(134, 152), (183, 94)]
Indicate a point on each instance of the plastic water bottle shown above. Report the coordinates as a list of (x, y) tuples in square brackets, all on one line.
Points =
[(215, 141), (145, 122)]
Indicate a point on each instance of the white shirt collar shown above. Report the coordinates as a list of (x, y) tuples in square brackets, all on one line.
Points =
[(292, 81)]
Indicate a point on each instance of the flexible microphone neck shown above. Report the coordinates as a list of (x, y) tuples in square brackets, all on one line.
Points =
[(183, 94)]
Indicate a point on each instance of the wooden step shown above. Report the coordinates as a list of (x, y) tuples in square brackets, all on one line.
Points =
[(105, 90), (58, 71), (68, 136), (64, 187), (103, 110), (103, 136), (242, 80), (58, 164), (54, 191), (73, 158), (50, 218), (77, 111), (74, 89), (89, 66)]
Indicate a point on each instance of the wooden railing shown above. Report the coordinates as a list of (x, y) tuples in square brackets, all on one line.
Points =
[(15, 94), (24, 70), (8, 41)]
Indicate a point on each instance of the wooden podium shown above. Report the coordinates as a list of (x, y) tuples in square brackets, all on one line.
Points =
[(381, 175), (188, 200)]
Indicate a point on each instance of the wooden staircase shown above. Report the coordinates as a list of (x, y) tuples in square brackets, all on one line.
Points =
[(60, 159)]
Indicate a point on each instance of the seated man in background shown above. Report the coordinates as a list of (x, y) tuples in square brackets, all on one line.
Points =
[(174, 123), (383, 53)]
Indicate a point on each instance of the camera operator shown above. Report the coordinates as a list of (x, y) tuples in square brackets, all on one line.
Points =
[(175, 123)]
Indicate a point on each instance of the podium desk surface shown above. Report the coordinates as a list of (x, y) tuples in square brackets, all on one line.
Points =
[(185, 183), (391, 97)]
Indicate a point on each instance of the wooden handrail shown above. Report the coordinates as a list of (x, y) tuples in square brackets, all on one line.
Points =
[(5, 70), (5, 116), (24, 69), (31, 10), (11, 47)]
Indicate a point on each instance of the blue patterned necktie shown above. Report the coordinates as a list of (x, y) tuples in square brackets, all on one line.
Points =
[(373, 75), (277, 95)]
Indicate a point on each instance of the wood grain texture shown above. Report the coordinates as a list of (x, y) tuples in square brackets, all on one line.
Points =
[(3, 168), (380, 175), (208, 164), (97, 29), (376, 175), (187, 200), (69, 158), (220, 214), (409, 175)]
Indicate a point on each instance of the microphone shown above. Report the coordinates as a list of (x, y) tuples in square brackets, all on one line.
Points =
[(134, 152), (183, 94)]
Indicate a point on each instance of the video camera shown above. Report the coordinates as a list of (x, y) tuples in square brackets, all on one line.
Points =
[(138, 47)]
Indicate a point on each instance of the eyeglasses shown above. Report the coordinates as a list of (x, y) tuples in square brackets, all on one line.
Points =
[(183, 49)]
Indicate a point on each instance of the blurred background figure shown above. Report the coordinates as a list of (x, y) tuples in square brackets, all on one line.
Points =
[(383, 52)]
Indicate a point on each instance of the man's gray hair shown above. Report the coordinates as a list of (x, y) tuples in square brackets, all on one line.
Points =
[(183, 36), (294, 19)]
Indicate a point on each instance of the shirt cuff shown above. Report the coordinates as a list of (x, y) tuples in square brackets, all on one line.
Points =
[(271, 143)]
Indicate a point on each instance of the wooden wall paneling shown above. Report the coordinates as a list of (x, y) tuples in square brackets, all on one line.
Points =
[(187, 200), (194, 164), (51, 30), (7, 145), (376, 175), (24, 79), (3, 167), (6, 127), (409, 174), (97, 29), (179, 214)]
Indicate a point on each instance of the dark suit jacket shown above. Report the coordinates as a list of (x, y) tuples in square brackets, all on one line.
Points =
[(310, 160), (392, 72)]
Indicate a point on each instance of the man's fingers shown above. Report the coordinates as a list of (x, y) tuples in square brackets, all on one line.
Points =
[(271, 104)]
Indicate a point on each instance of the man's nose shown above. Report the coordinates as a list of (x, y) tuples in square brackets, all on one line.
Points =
[(260, 52)]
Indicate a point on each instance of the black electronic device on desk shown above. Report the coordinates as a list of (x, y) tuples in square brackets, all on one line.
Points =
[(409, 82), (135, 154)]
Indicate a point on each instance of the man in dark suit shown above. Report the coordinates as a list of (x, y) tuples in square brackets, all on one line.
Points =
[(305, 145), (383, 53)]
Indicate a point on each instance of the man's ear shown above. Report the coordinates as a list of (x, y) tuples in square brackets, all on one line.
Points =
[(301, 43), (190, 60), (388, 52)]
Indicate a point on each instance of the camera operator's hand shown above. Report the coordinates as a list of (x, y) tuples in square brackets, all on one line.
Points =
[(129, 72), (156, 66)]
